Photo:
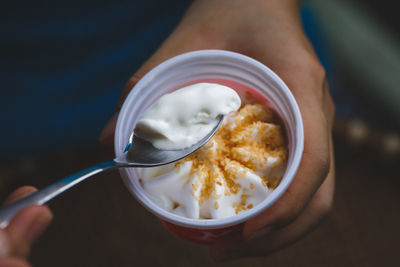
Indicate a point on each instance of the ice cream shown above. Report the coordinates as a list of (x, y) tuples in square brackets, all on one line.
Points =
[(236, 170), (182, 118)]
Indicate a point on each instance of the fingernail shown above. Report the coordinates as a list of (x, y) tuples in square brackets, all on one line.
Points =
[(106, 133), (3, 244), (38, 226), (259, 233)]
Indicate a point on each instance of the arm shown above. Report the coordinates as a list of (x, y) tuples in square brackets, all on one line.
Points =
[(271, 32)]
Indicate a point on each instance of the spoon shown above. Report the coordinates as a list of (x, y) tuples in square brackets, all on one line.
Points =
[(138, 153)]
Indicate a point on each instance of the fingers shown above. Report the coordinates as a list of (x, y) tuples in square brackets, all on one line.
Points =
[(320, 205), (13, 262), (25, 228), (19, 193), (5, 245), (107, 134), (17, 238), (312, 172), (310, 94)]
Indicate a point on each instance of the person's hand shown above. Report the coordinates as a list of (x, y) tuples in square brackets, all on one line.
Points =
[(269, 31), (22, 231)]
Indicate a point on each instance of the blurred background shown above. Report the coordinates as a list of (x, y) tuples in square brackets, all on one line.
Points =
[(61, 74)]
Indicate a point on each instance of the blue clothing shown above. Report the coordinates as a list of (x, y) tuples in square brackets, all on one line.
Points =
[(62, 69)]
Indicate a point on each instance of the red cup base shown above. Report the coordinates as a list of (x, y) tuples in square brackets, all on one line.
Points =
[(201, 236)]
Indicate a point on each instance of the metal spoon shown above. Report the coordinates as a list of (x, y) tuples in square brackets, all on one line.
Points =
[(138, 153)]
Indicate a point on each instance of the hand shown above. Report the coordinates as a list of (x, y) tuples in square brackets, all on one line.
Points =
[(16, 239), (269, 31)]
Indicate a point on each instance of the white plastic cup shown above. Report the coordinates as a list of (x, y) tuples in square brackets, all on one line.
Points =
[(226, 68)]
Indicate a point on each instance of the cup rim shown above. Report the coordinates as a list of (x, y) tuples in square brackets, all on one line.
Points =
[(141, 196)]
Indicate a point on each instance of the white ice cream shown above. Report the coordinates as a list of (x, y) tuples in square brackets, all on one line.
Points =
[(233, 172), (182, 118)]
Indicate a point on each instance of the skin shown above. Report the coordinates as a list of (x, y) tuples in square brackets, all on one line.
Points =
[(271, 32), (23, 230)]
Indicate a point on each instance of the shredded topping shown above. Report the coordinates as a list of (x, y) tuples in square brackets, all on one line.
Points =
[(245, 143)]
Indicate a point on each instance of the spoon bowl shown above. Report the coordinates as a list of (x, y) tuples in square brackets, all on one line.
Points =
[(141, 153)]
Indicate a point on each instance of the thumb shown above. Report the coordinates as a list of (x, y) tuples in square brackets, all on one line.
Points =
[(24, 229), (107, 134), (4, 244), (26, 226), (182, 40)]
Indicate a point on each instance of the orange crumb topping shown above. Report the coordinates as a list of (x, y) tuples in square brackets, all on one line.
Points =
[(243, 144)]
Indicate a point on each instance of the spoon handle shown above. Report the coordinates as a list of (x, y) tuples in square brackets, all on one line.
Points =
[(43, 195)]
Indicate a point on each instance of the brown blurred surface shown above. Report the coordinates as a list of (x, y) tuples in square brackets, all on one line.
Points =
[(99, 223)]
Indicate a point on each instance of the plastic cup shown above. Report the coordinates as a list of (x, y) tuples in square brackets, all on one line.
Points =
[(243, 74)]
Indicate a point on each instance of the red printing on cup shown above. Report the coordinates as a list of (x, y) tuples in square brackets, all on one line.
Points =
[(201, 236)]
